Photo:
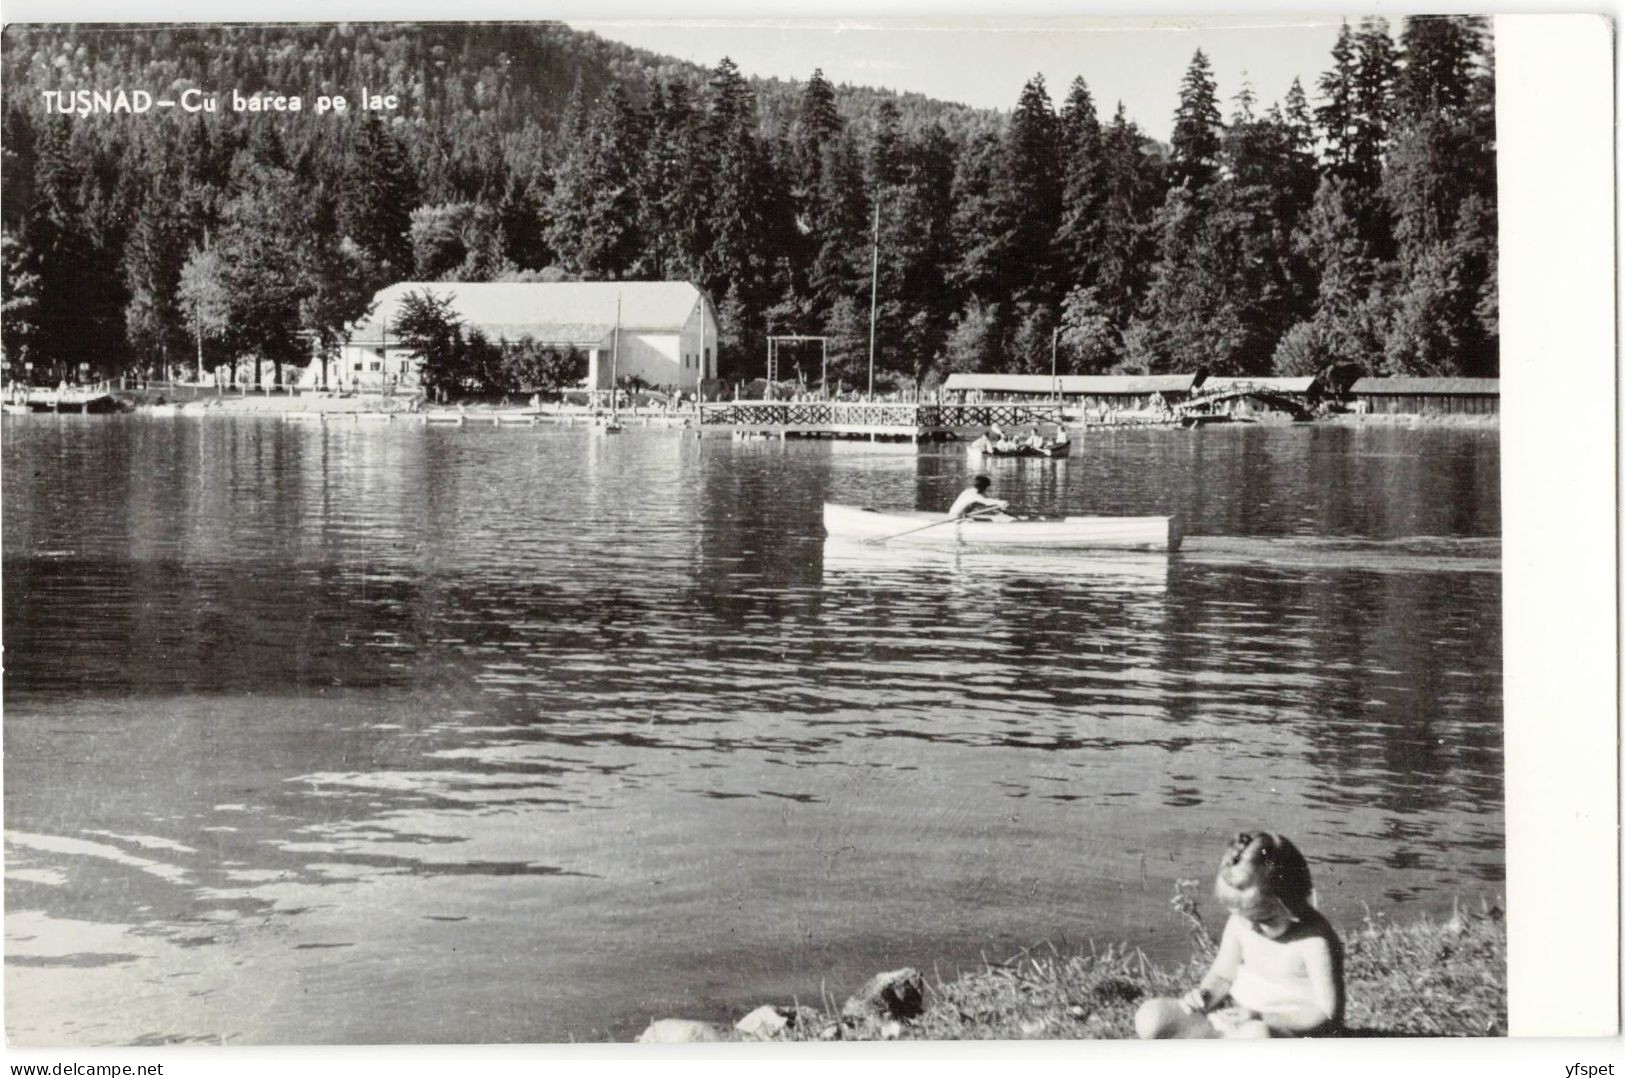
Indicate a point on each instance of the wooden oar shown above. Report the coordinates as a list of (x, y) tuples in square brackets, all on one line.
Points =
[(933, 524)]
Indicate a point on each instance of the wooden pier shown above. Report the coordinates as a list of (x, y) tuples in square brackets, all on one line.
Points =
[(872, 420), (85, 399)]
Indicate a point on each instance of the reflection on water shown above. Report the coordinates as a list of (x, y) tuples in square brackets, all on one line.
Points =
[(472, 734)]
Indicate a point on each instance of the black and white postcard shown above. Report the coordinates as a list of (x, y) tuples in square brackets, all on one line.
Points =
[(777, 530)]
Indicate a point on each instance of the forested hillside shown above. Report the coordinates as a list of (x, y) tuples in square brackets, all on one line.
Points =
[(1353, 225)]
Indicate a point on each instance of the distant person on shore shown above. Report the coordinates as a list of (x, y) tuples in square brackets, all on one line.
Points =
[(1279, 970), (974, 499)]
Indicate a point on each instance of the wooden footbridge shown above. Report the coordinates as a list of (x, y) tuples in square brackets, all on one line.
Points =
[(872, 420), (1208, 402)]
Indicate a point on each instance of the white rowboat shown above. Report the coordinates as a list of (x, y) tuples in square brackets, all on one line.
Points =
[(1057, 533)]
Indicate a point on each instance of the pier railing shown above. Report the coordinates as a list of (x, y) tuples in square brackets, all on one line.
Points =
[(847, 414)]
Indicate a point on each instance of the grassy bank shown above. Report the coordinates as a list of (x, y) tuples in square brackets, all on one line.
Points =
[(1424, 979)]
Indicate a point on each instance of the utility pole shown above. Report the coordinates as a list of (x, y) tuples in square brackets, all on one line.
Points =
[(198, 320), (874, 296), (1054, 383)]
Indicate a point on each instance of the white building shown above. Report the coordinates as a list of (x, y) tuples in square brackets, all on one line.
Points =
[(667, 332)]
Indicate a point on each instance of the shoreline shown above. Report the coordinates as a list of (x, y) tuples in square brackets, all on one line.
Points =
[(485, 411), (1418, 979)]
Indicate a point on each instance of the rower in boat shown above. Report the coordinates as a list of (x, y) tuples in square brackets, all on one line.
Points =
[(974, 499)]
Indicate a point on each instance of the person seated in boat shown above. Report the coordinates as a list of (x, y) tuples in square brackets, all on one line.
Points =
[(1279, 970), (984, 444), (974, 500), (1035, 441)]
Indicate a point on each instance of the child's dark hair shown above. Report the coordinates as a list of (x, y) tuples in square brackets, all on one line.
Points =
[(1259, 866)]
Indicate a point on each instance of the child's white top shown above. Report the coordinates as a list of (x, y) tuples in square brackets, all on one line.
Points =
[(1274, 975)]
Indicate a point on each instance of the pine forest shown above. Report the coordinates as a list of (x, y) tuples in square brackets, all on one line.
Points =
[(1352, 221)]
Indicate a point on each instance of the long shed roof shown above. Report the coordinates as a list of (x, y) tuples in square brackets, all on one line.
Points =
[(1425, 387), (578, 312), (1101, 384)]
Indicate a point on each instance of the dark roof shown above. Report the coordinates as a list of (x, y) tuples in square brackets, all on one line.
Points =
[(1103, 384), (1428, 387)]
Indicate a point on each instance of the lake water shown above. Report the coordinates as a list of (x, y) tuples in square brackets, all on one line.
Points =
[(384, 734)]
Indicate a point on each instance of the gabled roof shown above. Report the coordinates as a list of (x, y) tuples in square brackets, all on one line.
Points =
[(580, 312), (1438, 387), (1102, 384)]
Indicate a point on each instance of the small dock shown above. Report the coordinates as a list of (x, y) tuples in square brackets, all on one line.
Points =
[(86, 399), (868, 420)]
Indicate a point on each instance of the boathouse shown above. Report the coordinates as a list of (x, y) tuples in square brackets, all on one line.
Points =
[(1428, 396), (1090, 392), (662, 332), (1249, 397), (1306, 387)]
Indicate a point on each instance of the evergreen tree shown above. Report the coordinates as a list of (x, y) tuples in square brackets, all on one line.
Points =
[(1440, 183), (672, 190), (982, 223), (1440, 66), (817, 121), (1197, 126), (1301, 175), (1082, 188), (1372, 105), (378, 200), (1218, 300), (1253, 147), (1338, 113), (1033, 339), (847, 327), (153, 257), (336, 293), (1133, 189), (17, 156), (524, 243), (54, 234), (597, 201), (839, 225), (439, 243), (924, 249), (1346, 325), (885, 164), (19, 306), (1089, 344), (737, 329), (1031, 190), (976, 341)]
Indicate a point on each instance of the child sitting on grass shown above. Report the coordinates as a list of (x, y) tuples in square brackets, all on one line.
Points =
[(1280, 964)]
